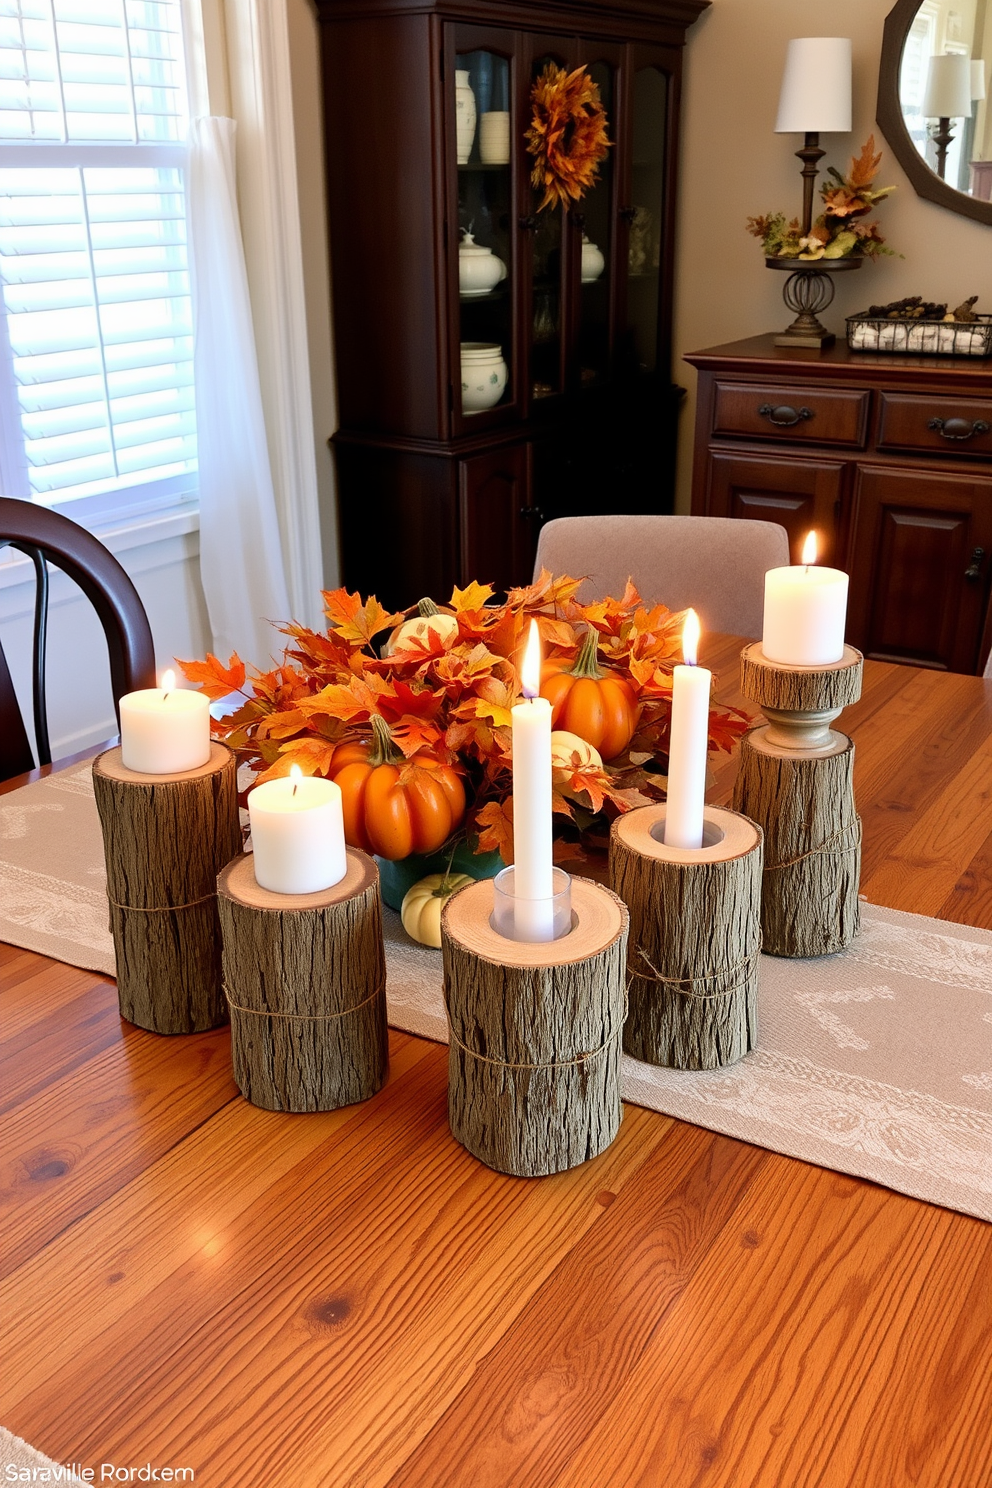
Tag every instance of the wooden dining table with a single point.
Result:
(345, 1299)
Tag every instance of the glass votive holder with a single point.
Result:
(532, 920)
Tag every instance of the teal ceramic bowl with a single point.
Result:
(396, 879)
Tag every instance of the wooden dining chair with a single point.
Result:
(47, 538)
(715, 564)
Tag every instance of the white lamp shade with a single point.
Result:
(977, 79)
(948, 90)
(816, 87)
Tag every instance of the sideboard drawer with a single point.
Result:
(938, 424)
(809, 415)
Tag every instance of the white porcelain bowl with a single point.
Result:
(484, 375)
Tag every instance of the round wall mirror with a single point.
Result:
(935, 100)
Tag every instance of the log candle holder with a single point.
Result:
(305, 976)
(165, 839)
(534, 1061)
(796, 779)
(695, 938)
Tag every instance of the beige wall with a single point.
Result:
(734, 166)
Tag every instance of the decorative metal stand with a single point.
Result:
(695, 938)
(305, 977)
(165, 839)
(796, 780)
(808, 290)
(534, 1063)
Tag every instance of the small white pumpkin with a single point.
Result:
(422, 905)
(416, 628)
(564, 746)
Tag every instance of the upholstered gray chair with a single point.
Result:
(715, 564)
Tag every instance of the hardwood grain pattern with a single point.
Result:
(346, 1299)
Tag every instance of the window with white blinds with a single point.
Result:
(96, 351)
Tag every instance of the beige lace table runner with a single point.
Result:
(877, 1062)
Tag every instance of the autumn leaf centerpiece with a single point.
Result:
(413, 719)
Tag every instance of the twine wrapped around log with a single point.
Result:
(305, 978)
(165, 839)
(809, 898)
(534, 1060)
(695, 938)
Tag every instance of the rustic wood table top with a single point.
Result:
(344, 1299)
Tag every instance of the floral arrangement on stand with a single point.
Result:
(417, 731)
(840, 231)
(567, 134)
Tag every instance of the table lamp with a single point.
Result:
(947, 96)
(815, 100)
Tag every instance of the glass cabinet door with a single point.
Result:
(594, 221)
(482, 104)
(645, 215)
(547, 266)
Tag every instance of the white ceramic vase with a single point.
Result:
(465, 116)
(593, 262)
(484, 375)
(479, 270)
(494, 138)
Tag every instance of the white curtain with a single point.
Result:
(241, 559)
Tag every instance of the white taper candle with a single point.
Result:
(532, 820)
(688, 744)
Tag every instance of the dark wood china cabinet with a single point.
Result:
(888, 457)
(570, 348)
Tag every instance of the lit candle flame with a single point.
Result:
(809, 549)
(295, 775)
(690, 638)
(530, 671)
(168, 683)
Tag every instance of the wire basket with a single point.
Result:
(972, 338)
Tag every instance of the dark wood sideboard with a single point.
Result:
(888, 457)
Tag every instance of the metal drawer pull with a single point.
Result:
(782, 416)
(974, 573)
(958, 428)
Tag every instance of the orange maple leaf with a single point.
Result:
(354, 620)
(214, 678)
(495, 823)
(864, 167)
(312, 755)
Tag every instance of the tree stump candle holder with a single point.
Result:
(534, 1060)
(695, 938)
(796, 780)
(305, 978)
(165, 839)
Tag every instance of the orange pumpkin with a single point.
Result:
(600, 706)
(383, 816)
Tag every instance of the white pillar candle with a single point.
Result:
(297, 834)
(533, 880)
(164, 730)
(805, 612)
(688, 744)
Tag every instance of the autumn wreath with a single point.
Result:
(567, 134)
(430, 709)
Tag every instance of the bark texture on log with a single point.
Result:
(695, 939)
(534, 1061)
(165, 838)
(812, 844)
(306, 978)
(801, 689)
